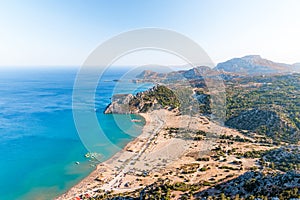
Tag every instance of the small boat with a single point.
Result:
(77, 163)
(136, 120)
(93, 155)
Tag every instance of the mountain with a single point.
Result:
(296, 67)
(197, 72)
(247, 65)
(194, 73)
(148, 74)
(253, 65)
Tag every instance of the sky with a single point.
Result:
(65, 32)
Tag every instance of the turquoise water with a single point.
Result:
(39, 144)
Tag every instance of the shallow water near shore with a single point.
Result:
(39, 144)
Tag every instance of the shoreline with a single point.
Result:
(160, 153)
(74, 190)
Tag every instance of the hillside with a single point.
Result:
(155, 98)
(296, 67)
(257, 185)
(252, 65)
(267, 105)
(254, 156)
(248, 65)
(171, 77)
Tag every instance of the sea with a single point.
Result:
(41, 153)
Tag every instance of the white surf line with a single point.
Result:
(126, 166)
(109, 186)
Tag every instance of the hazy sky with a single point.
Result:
(64, 32)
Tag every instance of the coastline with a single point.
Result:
(81, 187)
(156, 153)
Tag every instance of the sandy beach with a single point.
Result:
(158, 153)
(107, 174)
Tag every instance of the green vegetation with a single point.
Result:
(249, 186)
(256, 185)
(202, 169)
(164, 96)
(236, 138)
(251, 154)
(161, 190)
(283, 159)
(228, 167)
(159, 94)
(188, 104)
(203, 159)
(282, 195)
(203, 101)
(188, 134)
(189, 168)
(267, 105)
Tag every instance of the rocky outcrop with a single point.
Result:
(119, 104)
(155, 98)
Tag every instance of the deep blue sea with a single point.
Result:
(39, 144)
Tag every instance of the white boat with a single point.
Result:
(136, 120)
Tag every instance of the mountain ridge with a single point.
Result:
(249, 65)
(253, 64)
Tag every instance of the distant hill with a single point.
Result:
(253, 64)
(148, 74)
(247, 65)
(194, 73)
(268, 105)
(296, 67)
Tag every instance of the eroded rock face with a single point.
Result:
(119, 104)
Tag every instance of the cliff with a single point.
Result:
(155, 98)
